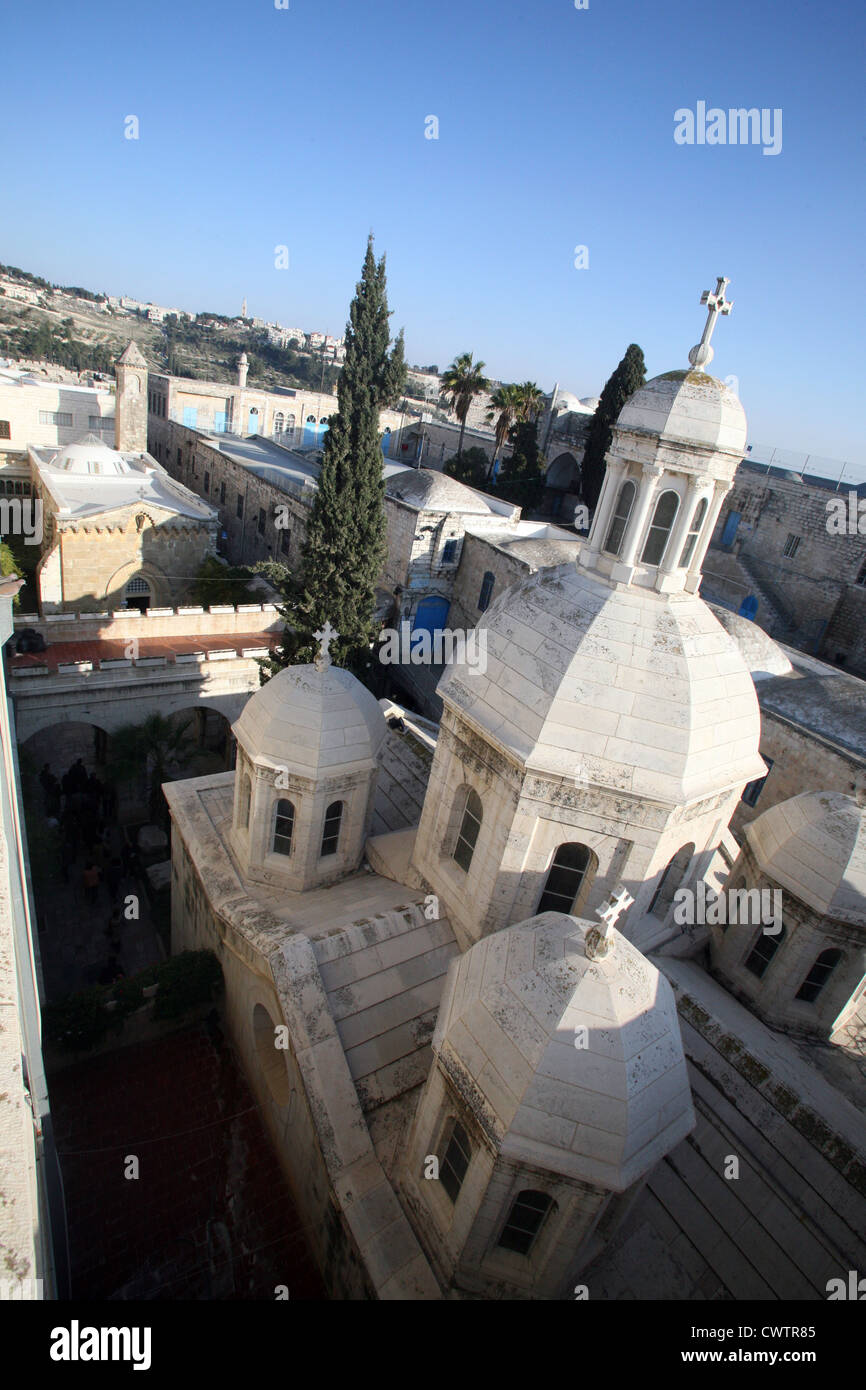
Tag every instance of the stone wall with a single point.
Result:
(86, 565)
(845, 639)
(802, 762)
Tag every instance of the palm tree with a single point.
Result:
(530, 400)
(504, 405)
(461, 382)
(156, 746)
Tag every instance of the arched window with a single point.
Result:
(660, 529)
(455, 1161)
(691, 541)
(672, 878)
(290, 424)
(565, 878)
(470, 825)
(244, 802)
(818, 976)
(763, 951)
(619, 520)
(278, 422)
(525, 1221)
(486, 591)
(331, 829)
(284, 827)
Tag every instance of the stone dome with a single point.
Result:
(312, 721)
(567, 400)
(689, 408)
(814, 846)
(90, 455)
(762, 655)
(591, 403)
(614, 686)
(435, 492)
(506, 1033)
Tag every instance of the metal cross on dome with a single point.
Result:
(702, 354)
(598, 939)
(325, 636)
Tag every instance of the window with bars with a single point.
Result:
(660, 528)
(449, 552)
(486, 591)
(262, 518)
(525, 1220)
(331, 828)
(763, 951)
(206, 481)
(470, 825)
(101, 422)
(694, 531)
(792, 545)
(222, 493)
(284, 827)
(861, 577)
(5, 429)
(285, 540)
(818, 976)
(137, 586)
(619, 520)
(455, 1161)
(240, 505)
(565, 878)
(55, 417)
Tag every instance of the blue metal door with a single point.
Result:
(432, 615)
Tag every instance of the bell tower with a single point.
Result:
(130, 417)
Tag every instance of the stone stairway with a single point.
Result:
(728, 579)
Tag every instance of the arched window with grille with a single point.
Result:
(244, 802)
(455, 1161)
(660, 528)
(284, 827)
(818, 976)
(470, 825)
(278, 422)
(565, 878)
(691, 540)
(525, 1220)
(619, 520)
(331, 828)
(762, 952)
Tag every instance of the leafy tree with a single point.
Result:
(521, 478)
(9, 565)
(216, 583)
(472, 467)
(156, 746)
(345, 544)
(461, 383)
(622, 383)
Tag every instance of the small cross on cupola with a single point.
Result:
(325, 636)
(702, 354)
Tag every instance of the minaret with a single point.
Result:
(243, 368)
(130, 417)
(244, 308)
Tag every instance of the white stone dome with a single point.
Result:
(617, 687)
(312, 722)
(814, 847)
(689, 408)
(90, 455)
(591, 403)
(430, 491)
(762, 655)
(567, 400)
(604, 1113)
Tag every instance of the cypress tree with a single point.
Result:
(623, 382)
(346, 540)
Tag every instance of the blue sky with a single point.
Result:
(305, 127)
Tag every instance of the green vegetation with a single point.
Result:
(216, 583)
(345, 543)
(622, 383)
(153, 747)
(471, 467)
(461, 383)
(54, 343)
(81, 1021)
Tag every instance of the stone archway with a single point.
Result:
(563, 473)
(158, 588)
